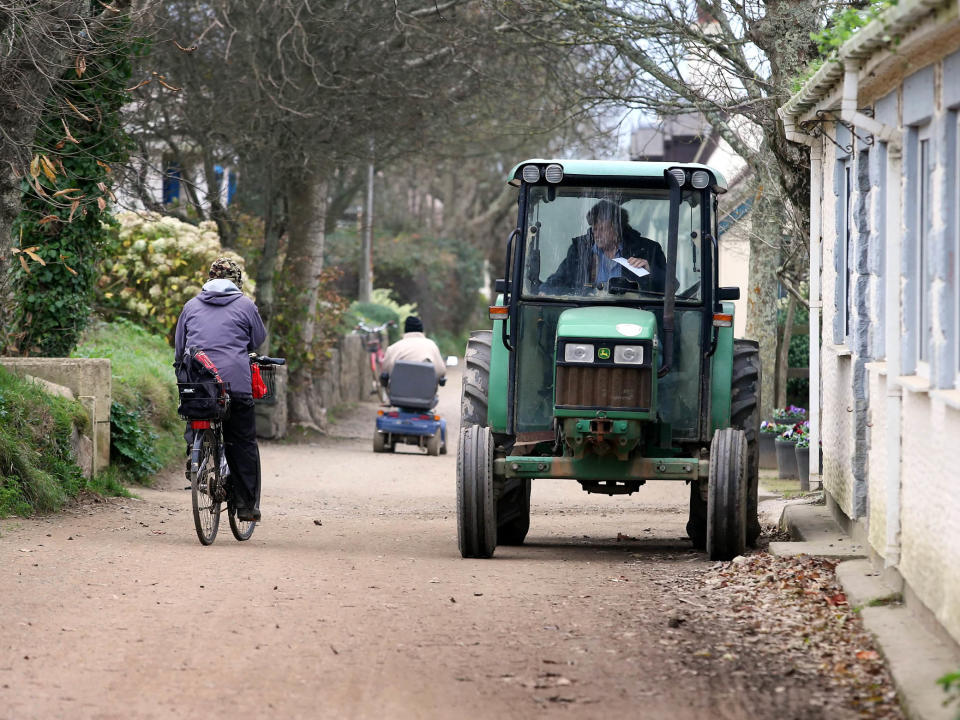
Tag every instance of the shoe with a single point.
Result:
(248, 514)
(186, 472)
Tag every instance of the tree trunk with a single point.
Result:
(9, 207)
(304, 262)
(766, 230)
(273, 229)
(226, 227)
(783, 361)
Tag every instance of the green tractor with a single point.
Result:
(611, 360)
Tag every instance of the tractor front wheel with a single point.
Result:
(727, 495)
(513, 512)
(476, 510)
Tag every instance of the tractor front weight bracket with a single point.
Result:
(591, 467)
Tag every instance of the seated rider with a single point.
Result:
(416, 347)
(226, 324)
(590, 259)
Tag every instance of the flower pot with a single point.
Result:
(786, 459)
(768, 451)
(803, 466)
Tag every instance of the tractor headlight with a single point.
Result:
(628, 355)
(553, 173)
(530, 173)
(679, 175)
(578, 353)
(700, 179)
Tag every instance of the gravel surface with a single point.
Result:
(351, 601)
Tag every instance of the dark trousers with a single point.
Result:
(240, 447)
(243, 455)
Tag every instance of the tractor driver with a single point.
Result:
(590, 261)
(416, 347)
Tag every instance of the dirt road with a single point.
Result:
(351, 601)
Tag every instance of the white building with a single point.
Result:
(882, 125)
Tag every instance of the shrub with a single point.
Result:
(441, 276)
(382, 308)
(132, 442)
(156, 263)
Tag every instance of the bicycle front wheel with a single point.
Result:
(204, 469)
(241, 529)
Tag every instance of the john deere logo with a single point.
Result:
(603, 353)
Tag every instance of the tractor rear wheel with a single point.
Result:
(476, 510)
(433, 444)
(513, 512)
(727, 495)
(476, 378)
(379, 442)
(745, 415)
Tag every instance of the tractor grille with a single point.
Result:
(590, 386)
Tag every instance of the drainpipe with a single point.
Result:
(892, 224)
(815, 304)
(850, 114)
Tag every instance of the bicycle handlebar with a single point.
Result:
(367, 328)
(265, 360)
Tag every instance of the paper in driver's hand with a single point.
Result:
(639, 272)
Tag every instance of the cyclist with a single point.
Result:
(226, 324)
(414, 346)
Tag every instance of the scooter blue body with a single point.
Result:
(411, 419)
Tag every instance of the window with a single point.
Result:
(922, 219)
(847, 247)
(955, 130)
(568, 226)
(171, 183)
(842, 262)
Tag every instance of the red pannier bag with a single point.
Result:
(259, 387)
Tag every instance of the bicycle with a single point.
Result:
(374, 340)
(210, 479)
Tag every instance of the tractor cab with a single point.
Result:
(611, 359)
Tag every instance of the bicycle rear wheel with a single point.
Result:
(241, 529)
(204, 470)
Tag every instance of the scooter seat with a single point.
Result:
(413, 385)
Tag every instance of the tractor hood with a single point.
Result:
(607, 323)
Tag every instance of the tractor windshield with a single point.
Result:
(603, 242)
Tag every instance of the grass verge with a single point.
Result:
(145, 432)
(37, 470)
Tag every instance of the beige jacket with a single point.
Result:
(414, 347)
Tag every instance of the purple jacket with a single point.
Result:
(225, 323)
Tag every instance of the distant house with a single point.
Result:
(165, 181)
(883, 125)
(690, 138)
(682, 138)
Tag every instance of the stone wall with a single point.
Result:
(346, 378)
(88, 379)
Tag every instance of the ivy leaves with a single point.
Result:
(63, 224)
